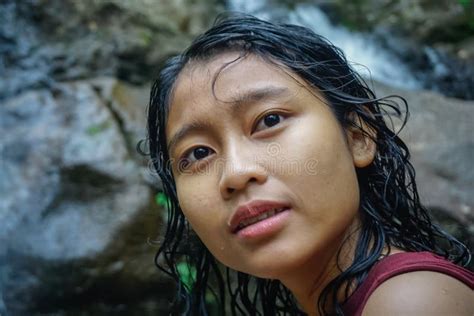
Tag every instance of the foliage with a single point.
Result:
(187, 275)
(162, 200)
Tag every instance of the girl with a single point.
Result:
(276, 154)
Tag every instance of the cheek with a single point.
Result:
(201, 208)
(193, 202)
(325, 175)
(318, 157)
(206, 216)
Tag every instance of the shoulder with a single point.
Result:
(421, 293)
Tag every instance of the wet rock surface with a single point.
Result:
(79, 221)
(435, 65)
(439, 136)
(70, 189)
(427, 21)
(434, 38)
(47, 41)
(70, 161)
(121, 280)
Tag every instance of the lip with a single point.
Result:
(253, 209)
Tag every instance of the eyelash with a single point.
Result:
(185, 163)
(261, 119)
(184, 160)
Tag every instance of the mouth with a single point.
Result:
(252, 220)
(255, 212)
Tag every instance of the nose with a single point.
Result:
(241, 167)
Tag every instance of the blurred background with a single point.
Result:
(80, 214)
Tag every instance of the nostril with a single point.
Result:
(234, 181)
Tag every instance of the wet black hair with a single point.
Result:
(390, 210)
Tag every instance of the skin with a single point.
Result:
(242, 167)
(307, 160)
(421, 293)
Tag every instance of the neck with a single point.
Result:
(316, 273)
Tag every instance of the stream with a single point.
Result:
(394, 61)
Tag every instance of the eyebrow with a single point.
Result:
(242, 101)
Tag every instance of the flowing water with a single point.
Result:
(394, 61)
(366, 56)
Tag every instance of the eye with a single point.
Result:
(269, 120)
(193, 155)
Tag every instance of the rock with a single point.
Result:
(129, 104)
(439, 68)
(428, 22)
(435, 40)
(439, 135)
(126, 39)
(76, 197)
(121, 279)
(71, 163)
(386, 36)
(75, 204)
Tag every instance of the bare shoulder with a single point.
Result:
(421, 293)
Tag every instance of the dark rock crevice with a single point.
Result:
(81, 184)
(125, 134)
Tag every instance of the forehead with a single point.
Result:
(208, 87)
(225, 76)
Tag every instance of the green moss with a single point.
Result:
(145, 37)
(93, 130)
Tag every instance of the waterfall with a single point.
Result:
(362, 51)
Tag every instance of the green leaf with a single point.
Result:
(465, 3)
(162, 200)
(187, 275)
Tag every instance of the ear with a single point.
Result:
(360, 140)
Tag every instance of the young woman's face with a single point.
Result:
(264, 172)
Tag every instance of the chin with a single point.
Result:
(273, 268)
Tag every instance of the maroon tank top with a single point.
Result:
(400, 263)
